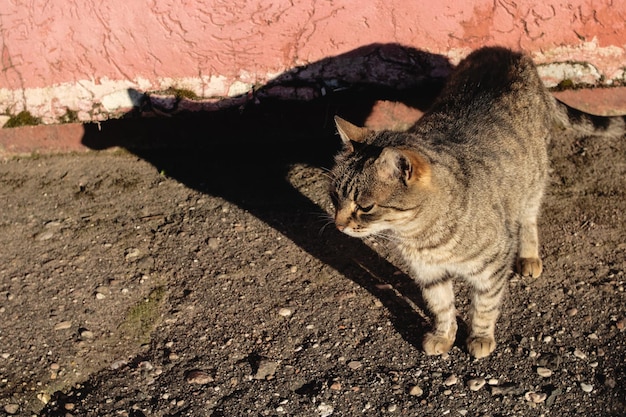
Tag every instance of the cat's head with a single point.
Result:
(376, 186)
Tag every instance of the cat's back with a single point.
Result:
(493, 97)
(492, 77)
(492, 120)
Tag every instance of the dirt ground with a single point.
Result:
(191, 270)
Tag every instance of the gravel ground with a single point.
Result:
(199, 276)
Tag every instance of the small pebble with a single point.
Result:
(86, 334)
(621, 324)
(506, 389)
(64, 325)
(572, 312)
(493, 381)
(354, 365)
(100, 296)
(285, 312)
(610, 382)
(118, 364)
(392, 408)
(544, 372)
(145, 366)
(325, 410)
(535, 397)
(267, 369)
(586, 387)
(335, 386)
(476, 384)
(547, 339)
(416, 391)
(12, 408)
(44, 397)
(549, 360)
(103, 289)
(199, 377)
(580, 354)
(553, 396)
(69, 406)
(45, 235)
(132, 254)
(593, 336)
(293, 269)
(451, 380)
(213, 243)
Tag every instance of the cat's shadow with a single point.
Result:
(243, 154)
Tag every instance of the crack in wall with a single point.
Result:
(8, 67)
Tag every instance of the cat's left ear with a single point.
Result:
(350, 134)
(404, 165)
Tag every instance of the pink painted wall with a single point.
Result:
(83, 56)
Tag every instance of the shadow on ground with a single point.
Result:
(243, 154)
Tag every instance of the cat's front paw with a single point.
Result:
(481, 346)
(529, 267)
(436, 345)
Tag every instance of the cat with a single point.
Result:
(460, 191)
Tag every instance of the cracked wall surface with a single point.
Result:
(94, 60)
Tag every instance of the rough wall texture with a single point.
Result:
(90, 60)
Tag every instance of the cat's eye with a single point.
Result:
(366, 209)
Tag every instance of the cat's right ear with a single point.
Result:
(405, 165)
(350, 134)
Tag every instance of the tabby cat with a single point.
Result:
(460, 191)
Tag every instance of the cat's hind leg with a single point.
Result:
(439, 296)
(528, 261)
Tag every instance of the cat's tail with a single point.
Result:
(585, 124)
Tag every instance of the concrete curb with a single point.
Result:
(67, 138)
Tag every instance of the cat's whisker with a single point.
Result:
(323, 217)
(393, 239)
(388, 236)
(328, 173)
(328, 223)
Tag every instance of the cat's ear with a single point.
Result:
(350, 134)
(404, 165)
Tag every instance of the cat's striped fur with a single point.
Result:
(460, 191)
